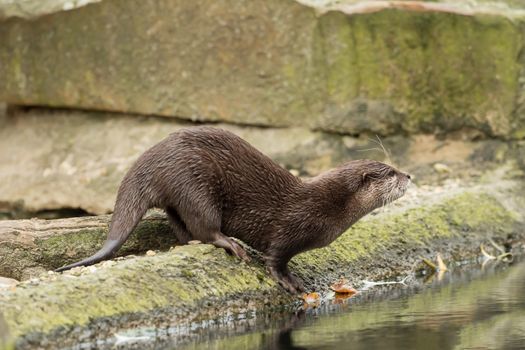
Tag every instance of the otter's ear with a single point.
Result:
(364, 176)
(356, 181)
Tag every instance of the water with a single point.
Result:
(473, 309)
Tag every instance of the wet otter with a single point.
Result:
(213, 185)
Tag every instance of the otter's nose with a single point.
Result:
(408, 176)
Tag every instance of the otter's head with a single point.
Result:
(376, 184)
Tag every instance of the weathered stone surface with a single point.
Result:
(35, 8)
(72, 159)
(191, 283)
(275, 63)
(5, 338)
(6, 282)
(199, 60)
(60, 159)
(29, 248)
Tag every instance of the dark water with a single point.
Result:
(473, 309)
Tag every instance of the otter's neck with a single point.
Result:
(332, 200)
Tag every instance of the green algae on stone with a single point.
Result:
(153, 233)
(467, 213)
(483, 211)
(433, 78)
(140, 285)
(200, 280)
(44, 245)
(381, 72)
(6, 342)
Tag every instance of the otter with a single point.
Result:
(213, 185)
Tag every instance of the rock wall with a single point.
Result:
(58, 159)
(72, 159)
(386, 70)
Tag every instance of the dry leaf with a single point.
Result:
(311, 298)
(343, 287)
(441, 264)
(342, 298)
(430, 264)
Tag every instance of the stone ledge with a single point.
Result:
(29, 248)
(191, 283)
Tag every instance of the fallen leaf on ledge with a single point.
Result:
(311, 299)
(343, 287)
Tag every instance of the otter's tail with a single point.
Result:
(106, 252)
(129, 209)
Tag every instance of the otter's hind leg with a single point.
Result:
(205, 226)
(178, 227)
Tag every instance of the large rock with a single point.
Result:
(344, 68)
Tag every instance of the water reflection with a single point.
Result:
(467, 310)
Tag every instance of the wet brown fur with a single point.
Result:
(214, 185)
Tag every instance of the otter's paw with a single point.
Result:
(291, 288)
(239, 252)
(295, 282)
(231, 247)
(289, 282)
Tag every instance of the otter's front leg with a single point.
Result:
(278, 268)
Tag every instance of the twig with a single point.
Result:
(485, 254)
(497, 246)
(503, 256)
(429, 264)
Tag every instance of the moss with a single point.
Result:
(153, 233)
(81, 241)
(19, 262)
(140, 285)
(486, 213)
(430, 75)
(189, 278)
(464, 214)
(57, 246)
(6, 343)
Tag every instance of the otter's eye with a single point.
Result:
(391, 173)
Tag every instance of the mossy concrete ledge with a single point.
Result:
(197, 282)
(29, 248)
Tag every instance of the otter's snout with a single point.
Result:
(405, 178)
(404, 181)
